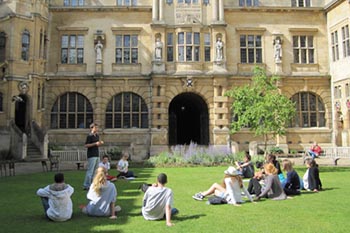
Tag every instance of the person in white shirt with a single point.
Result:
(56, 199)
(158, 201)
(123, 167)
(230, 189)
(106, 164)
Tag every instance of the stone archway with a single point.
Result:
(188, 120)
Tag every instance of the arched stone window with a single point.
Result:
(71, 110)
(25, 45)
(310, 110)
(127, 110)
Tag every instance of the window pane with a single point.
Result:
(196, 38)
(119, 41)
(72, 56)
(134, 41)
(126, 102)
(181, 38)
(72, 41)
(126, 55)
(242, 41)
(188, 53)
(64, 42)
(170, 52)
(71, 104)
(126, 41)
(126, 120)
(181, 53)
(118, 55)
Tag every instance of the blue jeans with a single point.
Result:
(92, 166)
(312, 154)
(45, 202)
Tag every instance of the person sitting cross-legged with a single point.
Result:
(56, 199)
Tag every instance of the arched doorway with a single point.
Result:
(21, 114)
(188, 120)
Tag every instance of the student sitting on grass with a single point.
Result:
(291, 186)
(246, 167)
(273, 188)
(230, 189)
(158, 201)
(311, 178)
(56, 199)
(123, 166)
(105, 163)
(102, 195)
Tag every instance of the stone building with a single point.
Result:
(153, 73)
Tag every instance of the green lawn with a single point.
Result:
(327, 211)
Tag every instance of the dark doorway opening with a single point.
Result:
(21, 112)
(188, 120)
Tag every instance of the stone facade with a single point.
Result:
(193, 80)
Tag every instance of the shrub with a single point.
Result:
(114, 153)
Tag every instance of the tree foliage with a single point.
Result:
(261, 107)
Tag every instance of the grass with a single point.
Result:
(327, 211)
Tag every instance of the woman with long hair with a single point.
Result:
(273, 188)
(102, 195)
(230, 189)
(291, 186)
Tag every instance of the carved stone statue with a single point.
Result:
(278, 50)
(158, 49)
(98, 49)
(219, 49)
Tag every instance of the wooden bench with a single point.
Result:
(79, 157)
(333, 152)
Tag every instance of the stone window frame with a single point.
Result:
(335, 45)
(25, 45)
(74, 3)
(126, 2)
(3, 40)
(126, 110)
(310, 110)
(191, 46)
(301, 3)
(207, 45)
(345, 40)
(248, 3)
(71, 110)
(71, 47)
(170, 46)
(251, 58)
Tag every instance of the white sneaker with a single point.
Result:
(198, 196)
(117, 208)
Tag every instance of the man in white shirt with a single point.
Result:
(158, 200)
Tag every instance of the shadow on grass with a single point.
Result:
(188, 217)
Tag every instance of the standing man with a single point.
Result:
(92, 144)
(158, 201)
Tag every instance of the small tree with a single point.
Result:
(261, 107)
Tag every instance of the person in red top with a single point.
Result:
(315, 150)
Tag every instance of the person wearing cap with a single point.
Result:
(158, 201)
(92, 144)
(230, 189)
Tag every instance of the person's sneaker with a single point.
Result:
(198, 196)
(117, 208)
(174, 211)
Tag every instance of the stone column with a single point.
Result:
(155, 10)
(215, 11)
(161, 10)
(221, 10)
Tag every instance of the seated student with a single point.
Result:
(272, 159)
(102, 195)
(246, 168)
(291, 186)
(123, 166)
(56, 199)
(273, 188)
(230, 189)
(315, 150)
(105, 163)
(158, 201)
(311, 178)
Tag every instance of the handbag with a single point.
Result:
(215, 200)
